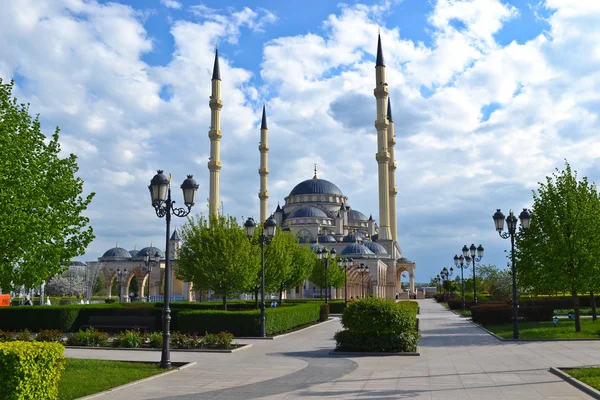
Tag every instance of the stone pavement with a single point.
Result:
(458, 361)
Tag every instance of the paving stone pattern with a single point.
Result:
(458, 361)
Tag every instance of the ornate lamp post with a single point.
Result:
(475, 257)
(511, 222)
(120, 274)
(438, 278)
(267, 234)
(327, 255)
(149, 263)
(347, 263)
(459, 262)
(160, 194)
(445, 275)
(362, 270)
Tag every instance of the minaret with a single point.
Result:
(214, 163)
(392, 173)
(382, 156)
(263, 171)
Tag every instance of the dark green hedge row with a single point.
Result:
(498, 314)
(456, 304)
(247, 323)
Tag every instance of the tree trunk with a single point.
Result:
(280, 294)
(256, 297)
(576, 308)
(225, 303)
(593, 300)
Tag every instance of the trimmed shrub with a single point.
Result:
(336, 307)
(180, 341)
(155, 339)
(109, 301)
(90, 338)
(498, 314)
(379, 325)
(49, 335)
(456, 304)
(240, 323)
(23, 336)
(128, 339)
(7, 336)
(30, 370)
(285, 319)
(324, 312)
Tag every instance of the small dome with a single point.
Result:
(404, 260)
(78, 264)
(315, 246)
(150, 251)
(116, 252)
(354, 215)
(352, 238)
(375, 248)
(327, 239)
(316, 186)
(133, 252)
(356, 249)
(310, 212)
(375, 237)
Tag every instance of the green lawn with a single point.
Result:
(546, 330)
(84, 377)
(590, 376)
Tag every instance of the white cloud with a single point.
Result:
(171, 4)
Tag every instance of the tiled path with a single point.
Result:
(458, 361)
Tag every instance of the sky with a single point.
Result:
(488, 97)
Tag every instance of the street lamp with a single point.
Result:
(346, 263)
(160, 194)
(267, 234)
(459, 262)
(445, 275)
(476, 255)
(121, 274)
(438, 278)
(149, 263)
(511, 222)
(363, 270)
(326, 254)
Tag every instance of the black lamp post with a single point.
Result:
(120, 274)
(362, 270)
(327, 255)
(476, 255)
(267, 234)
(160, 194)
(459, 262)
(149, 263)
(438, 278)
(511, 222)
(445, 274)
(347, 263)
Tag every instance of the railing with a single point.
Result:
(175, 297)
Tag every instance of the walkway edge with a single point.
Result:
(92, 396)
(225, 351)
(532, 340)
(576, 382)
(287, 334)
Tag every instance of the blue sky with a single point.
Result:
(489, 97)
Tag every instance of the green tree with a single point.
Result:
(217, 255)
(293, 262)
(560, 250)
(41, 221)
(335, 274)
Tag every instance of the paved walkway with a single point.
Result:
(458, 361)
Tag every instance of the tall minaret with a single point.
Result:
(263, 171)
(214, 163)
(392, 173)
(382, 156)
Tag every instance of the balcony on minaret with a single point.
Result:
(215, 103)
(263, 171)
(263, 196)
(214, 165)
(263, 147)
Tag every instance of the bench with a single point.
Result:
(119, 322)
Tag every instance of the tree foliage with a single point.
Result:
(335, 273)
(216, 255)
(560, 250)
(41, 207)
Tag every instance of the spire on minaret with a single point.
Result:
(264, 118)
(216, 71)
(315, 176)
(379, 62)
(389, 110)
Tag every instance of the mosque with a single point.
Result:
(316, 211)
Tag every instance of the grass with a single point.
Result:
(589, 375)
(84, 377)
(545, 330)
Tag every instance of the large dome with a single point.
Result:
(375, 248)
(352, 238)
(356, 216)
(356, 249)
(306, 212)
(316, 186)
(116, 252)
(150, 251)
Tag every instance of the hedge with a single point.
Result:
(498, 314)
(456, 304)
(30, 370)
(247, 323)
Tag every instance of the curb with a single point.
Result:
(243, 347)
(533, 340)
(286, 334)
(183, 366)
(373, 354)
(575, 382)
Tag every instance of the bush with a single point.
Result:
(179, 341)
(109, 301)
(49, 335)
(379, 325)
(324, 312)
(456, 304)
(285, 319)
(336, 307)
(90, 338)
(128, 339)
(155, 339)
(30, 370)
(65, 302)
(498, 314)
(23, 336)
(7, 336)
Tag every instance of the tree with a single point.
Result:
(335, 274)
(71, 283)
(560, 250)
(216, 255)
(41, 221)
